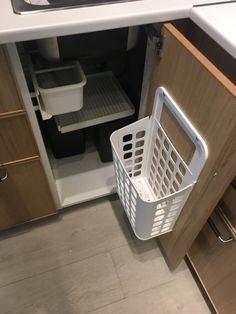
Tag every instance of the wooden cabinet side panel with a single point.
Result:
(25, 195)
(10, 100)
(207, 98)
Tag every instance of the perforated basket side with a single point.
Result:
(126, 191)
(153, 217)
(130, 144)
(153, 180)
(166, 171)
(148, 219)
(159, 217)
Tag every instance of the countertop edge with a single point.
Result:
(213, 32)
(18, 34)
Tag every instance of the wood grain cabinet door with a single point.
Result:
(208, 99)
(10, 100)
(24, 194)
(16, 139)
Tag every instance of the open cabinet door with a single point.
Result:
(208, 99)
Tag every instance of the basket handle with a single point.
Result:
(201, 152)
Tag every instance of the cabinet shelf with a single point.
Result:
(82, 177)
(104, 101)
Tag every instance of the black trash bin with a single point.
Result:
(65, 144)
(102, 133)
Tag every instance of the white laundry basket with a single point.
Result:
(153, 181)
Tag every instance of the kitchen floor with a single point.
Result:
(88, 261)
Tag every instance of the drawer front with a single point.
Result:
(16, 139)
(10, 100)
(215, 265)
(25, 194)
(228, 208)
(229, 200)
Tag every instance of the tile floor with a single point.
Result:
(89, 261)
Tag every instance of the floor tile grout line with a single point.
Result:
(130, 296)
(36, 225)
(117, 274)
(139, 291)
(109, 252)
(65, 265)
(52, 269)
(103, 306)
(153, 287)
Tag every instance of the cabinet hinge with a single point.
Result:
(160, 41)
(155, 37)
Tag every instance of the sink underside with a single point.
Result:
(35, 6)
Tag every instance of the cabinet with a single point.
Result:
(24, 194)
(206, 96)
(10, 99)
(16, 139)
(24, 190)
(213, 261)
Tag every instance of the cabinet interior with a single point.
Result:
(126, 54)
(121, 53)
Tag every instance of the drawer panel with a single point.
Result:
(228, 208)
(10, 100)
(16, 139)
(23, 197)
(215, 264)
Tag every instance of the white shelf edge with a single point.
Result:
(96, 121)
(94, 194)
(82, 177)
(104, 101)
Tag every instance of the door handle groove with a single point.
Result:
(217, 232)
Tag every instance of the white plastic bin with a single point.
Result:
(153, 181)
(61, 88)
